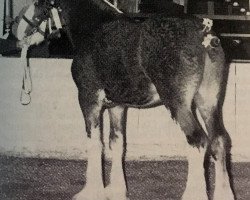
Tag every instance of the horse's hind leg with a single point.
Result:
(117, 188)
(178, 95)
(197, 140)
(209, 101)
(182, 111)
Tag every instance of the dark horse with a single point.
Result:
(172, 61)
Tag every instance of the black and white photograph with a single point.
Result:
(124, 100)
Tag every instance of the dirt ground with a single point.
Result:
(50, 179)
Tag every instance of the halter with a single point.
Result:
(48, 13)
(35, 28)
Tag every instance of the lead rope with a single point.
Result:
(27, 83)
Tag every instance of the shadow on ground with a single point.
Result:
(50, 179)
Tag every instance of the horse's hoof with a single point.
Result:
(115, 193)
(194, 195)
(223, 194)
(90, 194)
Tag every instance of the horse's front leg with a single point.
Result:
(92, 111)
(117, 188)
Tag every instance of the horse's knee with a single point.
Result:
(92, 106)
(117, 138)
(117, 146)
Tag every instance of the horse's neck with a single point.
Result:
(83, 17)
(87, 12)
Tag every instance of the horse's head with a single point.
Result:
(34, 21)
